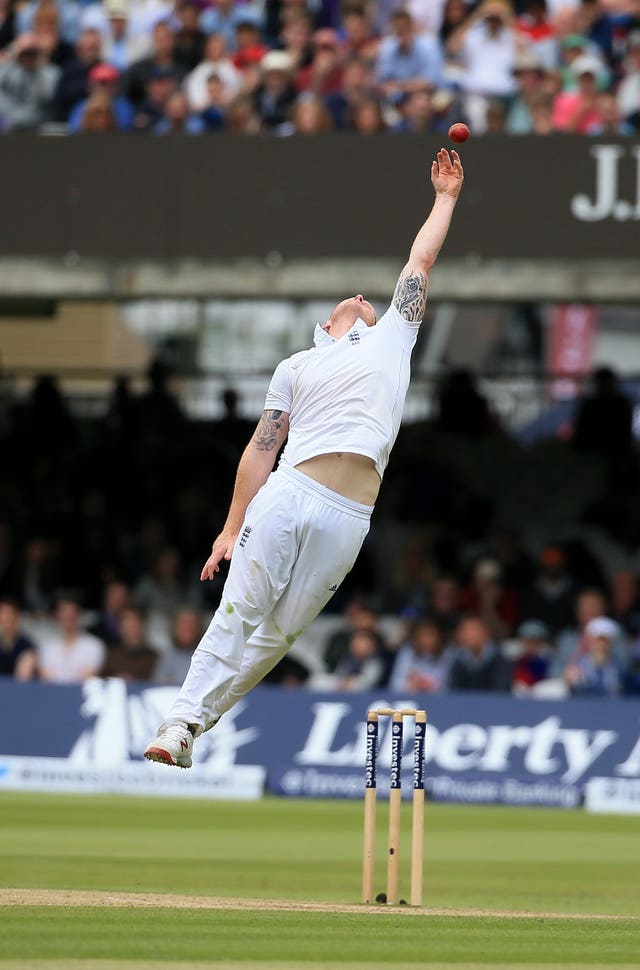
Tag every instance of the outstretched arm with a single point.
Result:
(255, 466)
(410, 297)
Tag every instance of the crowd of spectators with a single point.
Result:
(106, 523)
(290, 66)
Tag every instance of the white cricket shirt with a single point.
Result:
(346, 394)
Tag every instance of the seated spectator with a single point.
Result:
(189, 38)
(27, 86)
(161, 62)
(454, 14)
(532, 664)
(552, 595)
(363, 666)
(625, 601)
(357, 87)
(629, 90)
(310, 116)
(186, 633)
(177, 120)
(366, 118)
(495, 117)
(215, 62)
(98, 116)
(323, 76)
(145, 15)
(536, 29)
(445, 604)
(161, 84)
(596, 672)
(223, 16)
(417, 113)
(68, 13)
(73, 84)
(573, 643)
(422, 663)
(529, 75)
(405, 61)
(487, 596)
(611, 122)
(577, 111)
(131, 658)
(7, 24)
(116, 598)
(296, 38)
(356, 35)
(217, 101)
(242, 118)
(249, 52)
(104, 78)
(275, 95)
(605, 417)
(121, 46)
(18, 658)
(73, 655)
(46, 30)
(542, 114)
(357, 616)
(160, 590)
(476, 662)
(486, 44)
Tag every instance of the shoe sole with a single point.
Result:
(163, 757)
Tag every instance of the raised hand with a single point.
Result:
(447, 175)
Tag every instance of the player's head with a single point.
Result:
(346, 313)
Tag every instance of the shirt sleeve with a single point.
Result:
(280, 394)
(393, 321)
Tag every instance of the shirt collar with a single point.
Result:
(322, 339)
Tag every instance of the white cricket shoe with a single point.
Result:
(173, 746)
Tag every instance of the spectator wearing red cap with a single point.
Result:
(104, 77)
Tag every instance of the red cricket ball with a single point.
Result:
(459, 132)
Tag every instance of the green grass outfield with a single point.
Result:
(500, 861)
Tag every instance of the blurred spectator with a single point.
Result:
(356, 34)
(161, 84)
(249, 50)
(363, 666)
(454, 14)
(186, 633)
(121, 46)
(275, 95)
(535, 28)
(416, 113)
(542, 114)
(357, 616)
(68, 13)
(462, 409)
(421, 664)
(131, 658)
(115, 599)
(551, 597)
(366, 118)
(625, 601)
(27, 85)
(477, 663)
(72, 655)
(532, 664)
(103, 78)
(577, 111)
(323, 76)
(595, 671)
(223, 16)
(611, 122)
(7, 24)
(604, 418)
(177, 120)
(214, 113)
(406, 61)
(310, 116)
(487, 597)
(495, 117)
(296, 38)
(36, 575)
(573, 643)
(629, 89)
(232, 432)
(357, 87)
(161, 62)
(17, 652)
(161, 589)
(98, 116)
(216, 62)
(529, 75)
(486, 43)
(46, 30)
(190, 39)
(445, 604)
(73, 85)
(242, 118)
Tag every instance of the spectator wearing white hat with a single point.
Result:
(121, 44)
(275, 95)
(596, 672)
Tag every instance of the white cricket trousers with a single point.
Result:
(298, 542)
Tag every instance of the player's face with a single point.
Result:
(346, 313)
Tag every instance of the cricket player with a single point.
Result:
(295, 533)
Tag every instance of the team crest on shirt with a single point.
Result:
(354, 337)
(246, 532)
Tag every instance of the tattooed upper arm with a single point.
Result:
(410, 297)
(272, 429)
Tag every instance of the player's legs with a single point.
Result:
(330, 541)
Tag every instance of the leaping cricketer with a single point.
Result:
(295, 533)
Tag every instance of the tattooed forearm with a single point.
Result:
(410, 297)
(266, 436)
